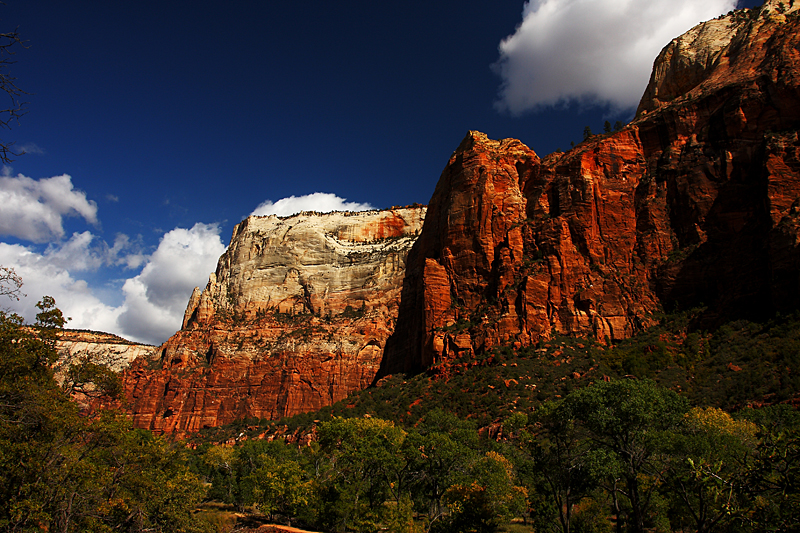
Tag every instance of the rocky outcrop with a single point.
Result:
(744, 51)
(78, 347)
(101, 348)
(295, 318)
(694, 203)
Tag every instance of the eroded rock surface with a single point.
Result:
(102, 348)
(295, 317)
(694, 203)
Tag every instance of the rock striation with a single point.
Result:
(102, 348)
(295, 318)
(694, 203)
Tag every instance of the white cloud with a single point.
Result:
(31, 148)
(77, 254)
(319, 201)
(156, 299)
(84, 252)
(33, 209)
(45, 274)
(153, 301)
(125, 252)
(591, 51)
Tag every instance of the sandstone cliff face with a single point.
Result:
(79, 346)
(695, 202)
(295, 317)
(110, 350)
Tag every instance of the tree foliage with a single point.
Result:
(628, 454)
(490, 498)
(362, 470)
(560, 452)
(280, 486)
(63, 471)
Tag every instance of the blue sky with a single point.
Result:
(154, 127)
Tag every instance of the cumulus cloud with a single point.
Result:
(77, 253)
(85, 252)
(319, 201)
(591, 51)
(46, 274)
(34, 209)
(126, 252)
(156, 299)
(152, 301)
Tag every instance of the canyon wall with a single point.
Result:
(295, 318)
(695, 203)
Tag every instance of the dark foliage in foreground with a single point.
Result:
(666, 431)
(626, 454)
(63, 471)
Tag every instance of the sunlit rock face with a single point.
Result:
(316, 264)
(693, 203)
(295, 317)
(75, 347)
(101, 348)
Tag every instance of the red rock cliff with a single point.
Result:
(295, 318)
(695, 202)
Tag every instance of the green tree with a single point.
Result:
(279, 487)
(559, 449)
(607, 127)
(150, 487)
(489, 499)
(86, 377)
(710, 457)
(362, 465)
(220, 461)
(234, 472)
(587, 133)
(773, 480)
(49, 316)
(60, 471)
(628, 421)
(436, 462)
(49, 320)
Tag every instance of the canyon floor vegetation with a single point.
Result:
(63, 470)
(672, 430)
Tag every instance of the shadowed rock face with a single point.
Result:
(295, 318)
(694, 203)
